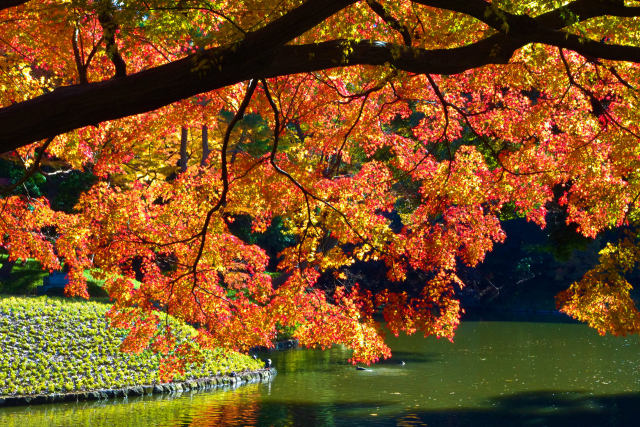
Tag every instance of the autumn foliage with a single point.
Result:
(329, 115)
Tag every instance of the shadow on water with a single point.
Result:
(538, 408)
(549, 408)
(411, 357)
(316, 361)
(514, 315)
(309, 414)
(541, 408)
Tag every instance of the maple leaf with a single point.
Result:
(395, 131)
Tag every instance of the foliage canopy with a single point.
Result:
(445, 113)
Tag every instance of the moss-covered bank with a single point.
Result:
(56, 349)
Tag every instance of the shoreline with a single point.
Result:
(201, 384)
(57, 350)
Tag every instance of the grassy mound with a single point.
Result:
(54, 345)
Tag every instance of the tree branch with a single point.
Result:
(29, 172)
(109, 30)
(391, 20)
(306, 193)
(176, 80)
(501, 20)
(224, 173)
(73, 107)
(263, 54)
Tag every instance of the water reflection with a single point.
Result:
(496, 373)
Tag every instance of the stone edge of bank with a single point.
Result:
(208, 383)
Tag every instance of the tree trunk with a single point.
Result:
(182, 163)
(205, 145)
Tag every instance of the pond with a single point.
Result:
(496, 373)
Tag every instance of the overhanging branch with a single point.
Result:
(576, 11)
(264, 54)
(77, 106)
(73, 107)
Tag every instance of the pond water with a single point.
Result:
(496, 373)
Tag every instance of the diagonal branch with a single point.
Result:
(78, 55)
(391, 20)
(28, 173)
(561, 17)
(307, 194)
(163, 84)
(109, 29)
(597, 107)
(224, 172)
(73, 107)
(264, 54)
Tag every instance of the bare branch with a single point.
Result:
(224, 172)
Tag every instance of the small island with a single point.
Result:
(56, 349)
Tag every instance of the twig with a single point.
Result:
(224, 172)
(32, 169)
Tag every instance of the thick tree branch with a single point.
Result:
(391, 20)
(109, 30)
(77, 106)
(69, 108)
(577, 11)
(263, 54)
(479, 9)
(581, 10)
(587, 47)
(291, 25)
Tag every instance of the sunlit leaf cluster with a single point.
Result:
(333, 116)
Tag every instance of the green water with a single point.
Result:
(496, 373)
